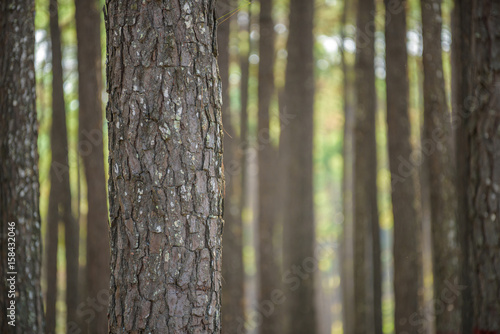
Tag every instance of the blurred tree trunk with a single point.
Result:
(232, 263)
(88, 34)
(60, 172)
(407, 262)
(300, 263)
(19, 187)
(484, 179)
(438, 146)
(269, 272)
(347, 184)
(461, 92)
(166, 172)
(367, 266)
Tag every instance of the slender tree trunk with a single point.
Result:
(166, 175)
(91, 150)
(300, 263)
(20, 245)
(367, 267)
(484, 179)
(232, 264)
(438, 146)
(60, 169)
(267, 158)
(407, 265)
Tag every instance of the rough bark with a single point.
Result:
(438, 146)
(484, 144)
(299, 229)
(461, 93)
(232, 263)
(367, 266)
(166, 174)
(59, 174)
(267, 178)
(407, 265)
(19, 187)
(88, 33)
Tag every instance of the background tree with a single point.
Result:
(407, 263)
(438, 139)
(88, 34)
(484, 177)
(367, 266)
(298, 229)
(19, 187)
(166, 174)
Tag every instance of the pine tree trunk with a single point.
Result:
(232, 263)
(367, 266)
(267, 160)
(166, 174)
(60, 170)
(91, 150)
(484, 181)
(19, 187)
(300, 263)
(438, 147)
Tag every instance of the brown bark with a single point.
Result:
(59, 173)
(367, 266)
(300, 263)
(232, 263)
(91, 150)
(166, 175)
(19, 187)
(438, 146)
(267, 178)
(407, 263)
(484, 180)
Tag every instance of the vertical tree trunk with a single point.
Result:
(367, 267)
(438, 145)
(60, 169)
(232, 263)
(267, 177)
(298, 230)
(461, 93)
(407, 264)
(19, 187)
(91, 150)
(166, 174)
(484, 181)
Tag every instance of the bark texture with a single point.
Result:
(19, 187)
(299, 228)
(407, 263)
(232, 263)
(60, 209)
(438, 147)
(88, 34)
(484, 183)
(267, 177)
(166, 175)
(367, 266)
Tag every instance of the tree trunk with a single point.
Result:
(438, 146)
(19, 187)
(91, 150)
(484, 180)
(60, 170)
(232, 263)
(166, 175)
(461, 92)
(407, 264)
(267, 158)
(367, 266)
(300, 263)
